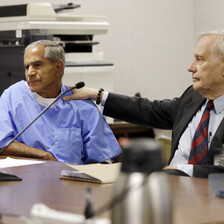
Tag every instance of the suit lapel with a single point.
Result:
(187, 110)
(217, 142)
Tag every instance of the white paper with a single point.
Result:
(45, 215)
(10, 162)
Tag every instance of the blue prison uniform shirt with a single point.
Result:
(74, 131)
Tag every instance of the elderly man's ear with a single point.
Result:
(60, 68)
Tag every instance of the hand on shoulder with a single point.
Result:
(82, 94)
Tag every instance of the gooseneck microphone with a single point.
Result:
(77, 86)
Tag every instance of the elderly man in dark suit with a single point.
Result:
(195, 118)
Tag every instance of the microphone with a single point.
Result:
(77, 86)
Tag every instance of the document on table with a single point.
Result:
(10, 162)
(97, 173)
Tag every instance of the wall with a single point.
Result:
(209, 15)
(149, 41)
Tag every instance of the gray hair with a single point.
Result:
(53, 51)
(218, 47)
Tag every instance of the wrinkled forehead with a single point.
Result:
(36, 49)
(205, 44)
(35, 53)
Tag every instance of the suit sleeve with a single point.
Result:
(141, 111)
(204, 170)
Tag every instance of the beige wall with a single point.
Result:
(209, 15)
(151, 41)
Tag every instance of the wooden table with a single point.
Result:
(193, 199)
(195, 202)
(42, 183)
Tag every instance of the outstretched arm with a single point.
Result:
(83, 94)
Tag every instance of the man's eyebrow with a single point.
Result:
(198, 54)
(34, 62)
(37, 62)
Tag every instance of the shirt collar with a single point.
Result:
(46, 101)
(219, 104)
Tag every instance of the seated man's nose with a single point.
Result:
(31, 71)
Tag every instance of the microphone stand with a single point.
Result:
(77, 86)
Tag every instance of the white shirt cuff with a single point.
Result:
(103, 101)
(104, 98)
(187, 168)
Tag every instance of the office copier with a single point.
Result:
(23, 24)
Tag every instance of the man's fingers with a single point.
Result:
(67, 98)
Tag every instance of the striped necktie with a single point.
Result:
(199, 146)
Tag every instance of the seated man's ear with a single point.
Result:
(60, 67)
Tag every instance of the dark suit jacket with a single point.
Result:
(166, 114)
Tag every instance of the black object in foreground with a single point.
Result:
(8, 177)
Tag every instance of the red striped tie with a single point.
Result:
(199, 146)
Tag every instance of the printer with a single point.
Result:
(22, 24)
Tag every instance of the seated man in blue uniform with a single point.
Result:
(72, 132)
